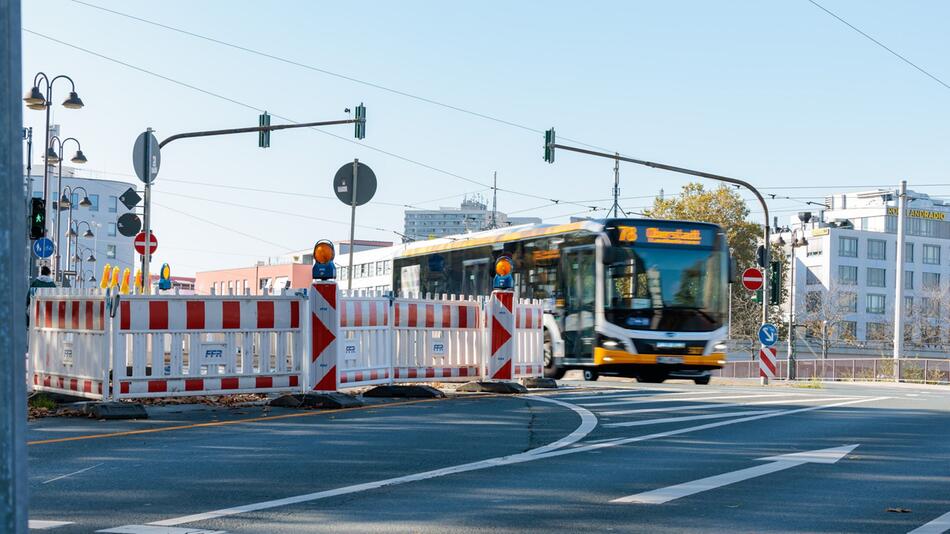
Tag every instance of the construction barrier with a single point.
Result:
(102, 345)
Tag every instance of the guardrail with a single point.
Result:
(913, 370)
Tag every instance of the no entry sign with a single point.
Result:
(751, 279)
(140, 243)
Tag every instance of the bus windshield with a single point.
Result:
(666, 288)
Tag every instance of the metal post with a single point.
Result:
(616, 205)
(494, 202)
(59, 212)
(49, 104)
(791, 309)
(147, 222)
(69, 238)
(899, 280)
(349, 278)
(13, 278)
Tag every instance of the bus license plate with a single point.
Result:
(669, 359)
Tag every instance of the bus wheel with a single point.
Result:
(551, 369)
(590, 375)
(702, 381)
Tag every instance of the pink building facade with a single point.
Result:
(254, 279)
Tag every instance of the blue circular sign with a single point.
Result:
(768, 335)
(43, 247)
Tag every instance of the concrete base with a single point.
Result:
(326, 401)
(111, 410)
(405, 392)
(539, 382)
(492, 387)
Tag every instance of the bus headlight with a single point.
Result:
(721, 347)
(610, 343)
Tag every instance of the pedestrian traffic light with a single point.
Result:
(263, 136)
(775, 284)
(360, 125)
(37, 218)
(549, 145)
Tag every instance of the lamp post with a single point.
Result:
(796, 242)
(73, 232)
(91, 258)
(38, 100)
(65, 202)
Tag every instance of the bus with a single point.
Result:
(637, 298)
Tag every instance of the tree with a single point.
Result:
(827, 316)
(725, 207)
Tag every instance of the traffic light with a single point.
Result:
(360, 129)
(775, 284)
(760, 256)
(549, 145)
(263, 137)
(37, 218)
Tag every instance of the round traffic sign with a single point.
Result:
(43, 247)
(768, 335)
(146, 171)
(129, 224)
(365, 184)
(752, 279)
(140, 243)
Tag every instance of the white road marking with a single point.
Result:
(40, 524)
(716, 405)
(937, 526)
(60, 477)
(776, 463)
(485, 464)
(626, 400)
(151, 529)
(626, 393)
(687, 418)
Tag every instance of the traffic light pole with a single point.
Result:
(549, 152)
(251, 129)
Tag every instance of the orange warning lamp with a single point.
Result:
(323, 254)
(503, 268)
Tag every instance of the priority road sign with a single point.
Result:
(43, 247)
(130, 198)
(752, 279)
(768, 335)
(140, 243)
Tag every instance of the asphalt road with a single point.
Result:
(616, 456)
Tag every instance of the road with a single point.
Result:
(603, 456)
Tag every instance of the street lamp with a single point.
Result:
(73, 232)
(65, 202)
(36, 99)
(79, 261)
(797, 238)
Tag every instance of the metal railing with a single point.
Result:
(913, 370)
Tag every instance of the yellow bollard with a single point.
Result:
(138, 281)
(126, 278)
(106, 275)
(115, 277)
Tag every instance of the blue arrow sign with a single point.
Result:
(768, 335)
(43, 247)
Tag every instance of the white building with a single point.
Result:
(372, 263)
(472, 216)
(107, 245)
(846, 273)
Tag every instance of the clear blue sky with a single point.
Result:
(778, 93)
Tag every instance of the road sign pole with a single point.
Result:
(147, 222)
(349, 270)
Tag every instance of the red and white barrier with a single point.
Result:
(168, 345)
(501, 331)
(437, 339)
(69, 340)
(529, 339)
(767, 366)
(365, 342)
(324, 329)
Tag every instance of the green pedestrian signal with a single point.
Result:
(360, 125)
(775, 284)
(263, 137)
(549, 145)
(37, 218)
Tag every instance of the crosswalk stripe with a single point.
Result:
(625, 400)
(716, 405)
(688, 418)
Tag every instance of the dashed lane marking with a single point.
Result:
(688, 418)
(716, 405)
(60, 477)
(151, 529)
(42, 524)
(624, 400)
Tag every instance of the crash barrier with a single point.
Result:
(98, 344)
(915, 370)
(69, 334)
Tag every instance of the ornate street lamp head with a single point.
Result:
(73, 102)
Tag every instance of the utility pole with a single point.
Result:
(13, 278)
(899, 281)
(494, 202)
(616, 206)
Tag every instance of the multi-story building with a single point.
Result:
(107, 245)
(844, 277)
(472, 216)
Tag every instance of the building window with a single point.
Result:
(932, 254)
(847, 275)
(875, 303)
(263, 283)
(929, 307)
(931, 280)
(389, 266)
(371, 269)
(113, 204)
(848, 302)
(111, 229)
(379, 268)
(342, 273)
(908, 279)
(879, 332)
(876, 277)
(877, 249)
(95, 202)
(812, 302)
(811, 278)
(848, 247)
(908, 306)
(909, 252)
(847, 330)
(110, 251)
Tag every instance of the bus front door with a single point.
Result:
(577, 286)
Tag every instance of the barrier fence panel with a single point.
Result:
(365, 341)
(69, 342)
(529, 338)
(168, 345)
(437, 339)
